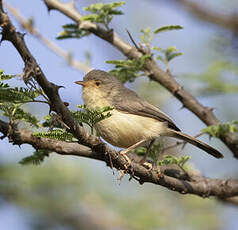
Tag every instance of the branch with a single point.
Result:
(48, 43)
(173, 178)
(154, 72)
(231, 200)
(205, 14)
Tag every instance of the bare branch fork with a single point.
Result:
(90, 146)
(154, 71)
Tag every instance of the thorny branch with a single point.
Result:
(172, 177)
(92, 147)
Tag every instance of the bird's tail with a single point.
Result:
(207, 148)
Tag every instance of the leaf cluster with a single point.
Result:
(102, 13)
(15, 113)
(168, 159)
(35, 159)
(221, 129)
(72, 31)
(91, 116)
(154, 152)
(165, 55)
(17, 94)
(13, 98)
(58, 134)
(5, 76)
(128, 70)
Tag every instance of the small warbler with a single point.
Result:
(133, 120)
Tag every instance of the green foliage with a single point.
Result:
(58, 128)
(140, 151)
(146, 36)
(215, 78)
(221, 129)
(53, 121)
(167, 54)
(154, 153)
(164, 55)
(91, 116)
(102, 13)
(37, 157)
(17, 94)
(22, 115)
(168, 28)
(58, 134)
(180, 161)
(171, 53)
(15, 113)
(5, 76)
(72, 31)
(128, 70)
(11, 100)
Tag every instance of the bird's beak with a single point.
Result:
(83, 83)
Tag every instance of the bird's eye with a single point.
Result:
(98, 83)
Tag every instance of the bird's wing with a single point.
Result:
(132, 103)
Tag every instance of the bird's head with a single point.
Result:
(99, 85)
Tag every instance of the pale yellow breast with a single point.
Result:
(124, 130)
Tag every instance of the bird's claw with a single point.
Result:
(147, 165)
(128, 164)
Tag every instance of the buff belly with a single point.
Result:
(123, 129)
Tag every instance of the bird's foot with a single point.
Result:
(147, 165)
(123, 153)
(121, 175)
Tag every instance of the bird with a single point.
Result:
(133, 120)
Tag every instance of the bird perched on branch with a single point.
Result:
(133, 120)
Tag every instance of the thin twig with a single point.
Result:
(133, 41)
(46, 42)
